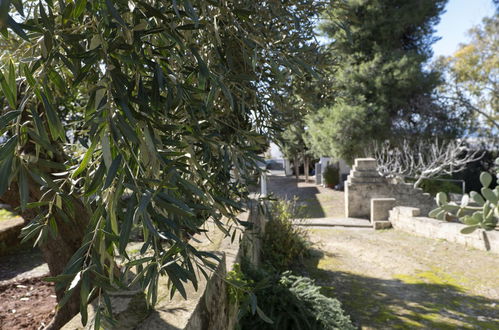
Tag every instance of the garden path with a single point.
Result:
(390, 279)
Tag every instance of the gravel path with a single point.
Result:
(394, 280)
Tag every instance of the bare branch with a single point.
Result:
(423, 160)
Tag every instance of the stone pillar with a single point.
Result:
(318, 173)
(287, 167)
(263, 184)
(363, 183)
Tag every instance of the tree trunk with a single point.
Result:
(305, 169)
(297, 168)
(57, 250)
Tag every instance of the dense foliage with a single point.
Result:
(117, 114)
(380, 86)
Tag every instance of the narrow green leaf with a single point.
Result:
(23, 187)
(7, 118)
(7, 149)
(12, 80)
(7, 91)
(115, 13)
(126, 227)
(79, 8)
(85, 160)
(16, 28)
(5, 171)
(262, 315)
(113, 169)
(55, 125)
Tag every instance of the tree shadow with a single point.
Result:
(427, 300)
(287, 188)
(20, 262)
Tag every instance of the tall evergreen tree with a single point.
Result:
(381, 86)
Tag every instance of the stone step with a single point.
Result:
(381, 224)
(365, 174)
(366, 180)
(365, 163)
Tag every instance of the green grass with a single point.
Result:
(6, 215)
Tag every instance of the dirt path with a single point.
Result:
(395, 280)
(319, 202)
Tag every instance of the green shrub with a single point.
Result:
(291, 302)
(283, 243)
(331, 175)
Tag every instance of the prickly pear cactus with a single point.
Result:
(477, 210)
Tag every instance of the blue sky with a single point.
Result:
(459, 17)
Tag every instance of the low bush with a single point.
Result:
(283, 243)
(331, 175)
(290, 302)
(270, 297)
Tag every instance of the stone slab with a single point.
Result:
(333, 222)
(365, 163)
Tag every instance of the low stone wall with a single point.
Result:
(208, 307)
(364, 183)
(10, 230)
(408, 219)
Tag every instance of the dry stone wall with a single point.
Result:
(365, 183)
(408, 219)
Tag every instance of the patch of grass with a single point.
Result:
(433, 276)
(6, 215)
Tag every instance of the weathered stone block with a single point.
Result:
(409, 211)
(365, 163)
(383, 224)
(380, 208)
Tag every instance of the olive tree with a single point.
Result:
(123, 114)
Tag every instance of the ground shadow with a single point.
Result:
(406, 303)
(287, 188)
(19, 262)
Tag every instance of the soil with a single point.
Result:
(26, 304)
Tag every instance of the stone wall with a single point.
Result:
(408, 219)
(365, 183)
(208, 307)
(10, 231)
